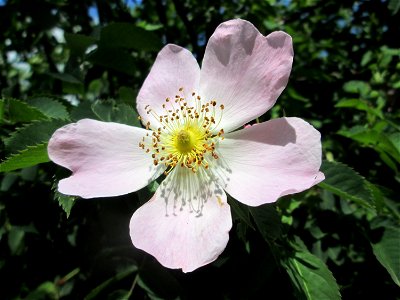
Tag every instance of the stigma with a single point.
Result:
(186, 132)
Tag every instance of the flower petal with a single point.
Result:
(175, 67)
(245, 71)
(188, 234)
(105, 159)
(319, 178)
(261, 163)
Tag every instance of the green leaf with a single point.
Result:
(17, 111)
(116, 41)
(377, 196)
(240, 211)
(378, 140)
(66, 77)
(103, 109)
(31, 134)
(359, 105)
(267, 220)
(50, 107)
(108, 111)
(357, 87)
(15, 239)
(126, 35)
(395, 140)
(29, 174)
(295, 95)
(7, 181)
(114, 58)
(311, 277)
(78, 43)
(47, 290)
(387, 251)
(394, 6)
(126, 94)
(82, 111)
(125, 114)
(149, 27)
(119, 276)
(147, 192)
(345, 182)
(366, 58)
(65, 201)
(31, 156)
(119, 295)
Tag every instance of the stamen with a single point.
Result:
(186, 136)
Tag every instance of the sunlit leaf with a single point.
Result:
(372, 137)
(311, 277)
(47, 290)
(345, 182)
(28, 157)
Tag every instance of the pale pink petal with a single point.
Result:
(261, 163)
(174, 68)
(186, 224)
(319, 178)
(105, 159)
(245, 71)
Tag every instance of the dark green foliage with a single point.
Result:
(338, 239)
(310, 276)
(386, 249)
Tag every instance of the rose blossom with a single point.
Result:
(191, 117)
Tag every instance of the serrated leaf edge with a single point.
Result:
(14, 155)
(345, 194)
(54, 99)
(6, 100)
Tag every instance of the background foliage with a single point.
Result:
(61, 61)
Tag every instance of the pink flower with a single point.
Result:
(191, 116)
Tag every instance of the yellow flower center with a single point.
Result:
(185, 140)
(186, 135)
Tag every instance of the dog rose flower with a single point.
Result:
(191, 116)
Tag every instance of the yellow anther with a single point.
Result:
(187, 134)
